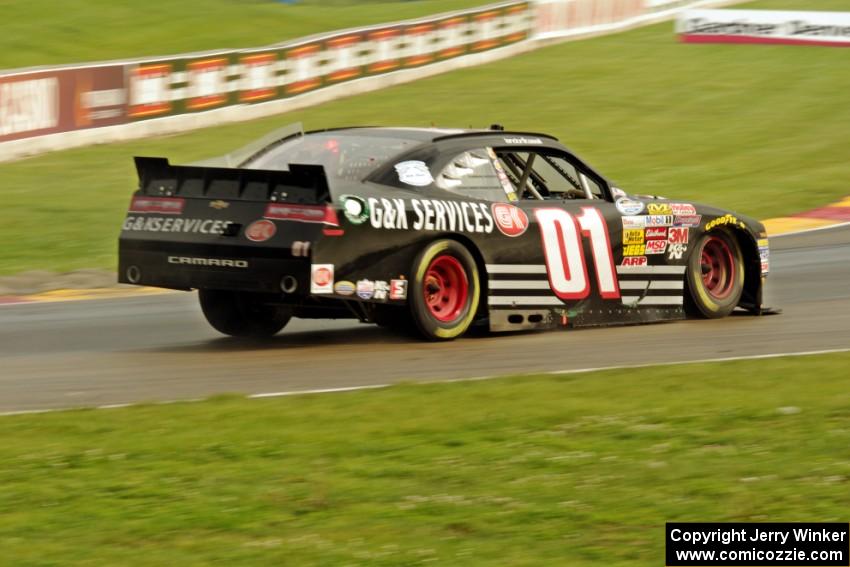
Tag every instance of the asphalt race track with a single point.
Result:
(155, 348)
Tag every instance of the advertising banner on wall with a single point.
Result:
(765, 26)
(47, 102)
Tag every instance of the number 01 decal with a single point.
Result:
(564, 253)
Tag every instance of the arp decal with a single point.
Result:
(510, 220)
(565, 261)
(321, 278)
(635, 261)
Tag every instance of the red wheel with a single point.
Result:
(445, 289)
(715, 275)
(718, 267)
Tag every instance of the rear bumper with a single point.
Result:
(196, 266)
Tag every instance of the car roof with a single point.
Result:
(427, 134)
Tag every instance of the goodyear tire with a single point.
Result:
(715, 275)
(445, 290)
(241, 314)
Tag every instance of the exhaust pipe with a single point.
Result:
(288, 284)
(134, 274)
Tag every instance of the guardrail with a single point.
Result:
(43, 109)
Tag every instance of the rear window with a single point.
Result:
(344, 155)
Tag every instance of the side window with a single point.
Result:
(548, 175)
(473, 174)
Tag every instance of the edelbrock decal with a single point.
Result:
(414, 173)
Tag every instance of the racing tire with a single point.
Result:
(444, 291)
(715, 275)
(240, 314)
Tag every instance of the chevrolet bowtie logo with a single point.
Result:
(219, 204)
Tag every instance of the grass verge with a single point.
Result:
(758, 129)
(572, 470)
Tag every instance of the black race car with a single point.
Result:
(430, 229)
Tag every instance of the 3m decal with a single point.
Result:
(321, 278)
(659, 209)
(398, 289)
(628, 206)
(678, 235)
(355, 209)
(632, 236)
(260, 231)
(510, 220)
(565, 262)
(414, 173)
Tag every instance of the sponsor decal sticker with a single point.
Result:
(321, 278)
(217, 262)
(659, 209)
(355, 209)
(676, 251)
(633, 236)
(510, 220)
(628, 206)
(414, 173)
(398, 289)
(659, 220)
(382, 288)
(683, 209)
(159, 224)
(365, 289)
(260, 231)
(678, 235)
(634, 250)
(656, 232)
(158, 205)
(634, 261)
(300, 213)
(218, 204)
(344, 288)
(724, 220)
(617, 192)
(764, 255)
(523, 140)
(687, 220)
(430, 214)
(656, 246)
(634, 222)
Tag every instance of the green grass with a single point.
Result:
(50, 32)
(757, 129)
(573, 470)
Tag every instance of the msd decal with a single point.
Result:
(321, 278)
(510, 220)
(656, 246)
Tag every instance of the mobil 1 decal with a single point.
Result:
(565, 262)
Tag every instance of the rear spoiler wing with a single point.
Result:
(301, 184)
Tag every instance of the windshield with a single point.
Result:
(348, 155)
